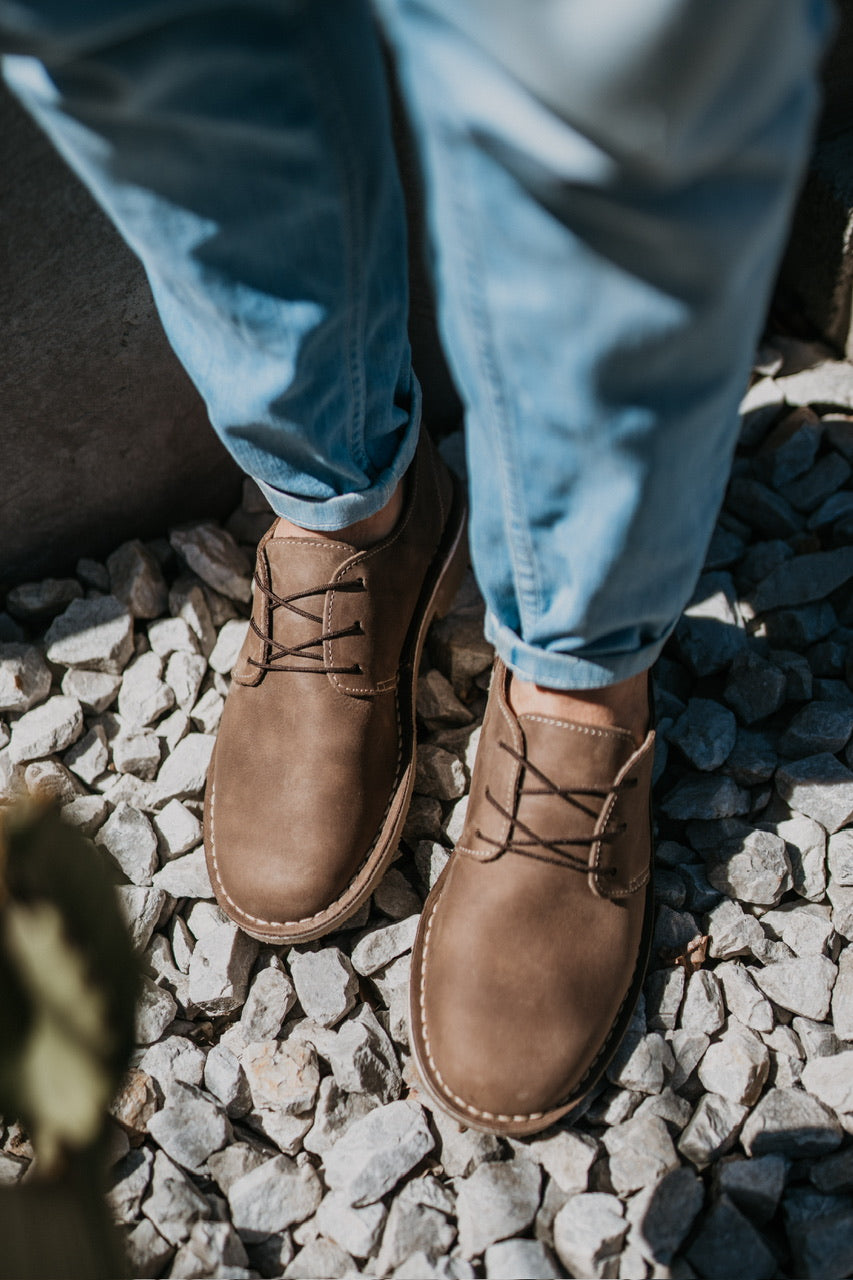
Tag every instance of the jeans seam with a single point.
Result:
(353, 243)
(524, 572)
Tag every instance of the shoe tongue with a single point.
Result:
(296, 565)
(573, 757)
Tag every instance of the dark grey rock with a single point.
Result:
(754, 1185)
(804, 579)
(823, 1247)
(762, 558)
(820, 726)
(36, 602)
(724, 549)
(698, 796)
(792, 1123)
(829, 658)
(820, 787)
(790, 448)
(136, 579)
(808, 492)
(827, 689)
(753, 759)
(798, 628)
(709, 634)
(834, 1173)
(763, 510)
(839, 506)
(755, 688)
(705, 733)
(729, 1245)
(798, 674)
(662, 1215)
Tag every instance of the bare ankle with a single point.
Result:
(623, 705)
(362, 534)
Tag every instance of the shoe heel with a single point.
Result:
(454, 572)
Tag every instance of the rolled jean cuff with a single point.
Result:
(328, 514)
(565, 670)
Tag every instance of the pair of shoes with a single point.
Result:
(532, 946)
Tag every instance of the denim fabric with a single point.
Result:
(608, 189)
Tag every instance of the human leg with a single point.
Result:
(244, 152)
(610, 191)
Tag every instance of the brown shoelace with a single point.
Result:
(562, 857)
(303, 650)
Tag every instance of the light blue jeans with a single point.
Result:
(608, 186)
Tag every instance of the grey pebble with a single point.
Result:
(712, 1129)
(820, 787)
(589, 1232)
(820, 726)
(136, 579)
(213, 554)
(36, 602)
(96, 634)
(755, 687)
(24, 677)
(705, 733)
(729, 1245)
(377, 1151)
(790, 1122)
(754, 1185)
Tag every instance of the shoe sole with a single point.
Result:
(441, 584)
(520, 1126)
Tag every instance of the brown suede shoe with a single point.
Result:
(533, 943)
(312, 773)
